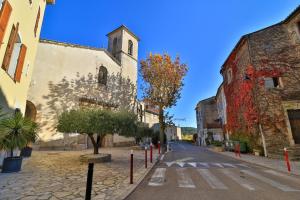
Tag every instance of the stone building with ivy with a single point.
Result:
(262, 86)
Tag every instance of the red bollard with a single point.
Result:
(131, 167)
(146, 157)
(151, 153)
(287, 160)
(158, 146)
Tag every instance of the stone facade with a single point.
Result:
(207, 120)
(221, 107)
(70, 76)
(272, 56)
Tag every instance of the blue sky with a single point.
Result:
(202, 32)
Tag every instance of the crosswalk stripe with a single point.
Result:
(158, 177)
(213, 181)
(271, 182)
(193, 164)
(181, 164)
(229, 165)
(269, 171)
(238, 179)
(243, 165)
(204, 164)
(218, 165)
(169, 164)
(184, 180)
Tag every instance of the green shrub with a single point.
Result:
(217, 143)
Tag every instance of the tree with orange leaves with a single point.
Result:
(163, 81)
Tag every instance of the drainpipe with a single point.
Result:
(263, 140)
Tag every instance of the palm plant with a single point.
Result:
(16, 131)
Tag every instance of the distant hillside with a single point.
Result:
(188, 130)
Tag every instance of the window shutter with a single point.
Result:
(20, 64)
(4, 17)
(10, 46)
(37, 21)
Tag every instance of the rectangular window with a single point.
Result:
(272, 82)
(10, 46)
(4, 18)
(37, 21)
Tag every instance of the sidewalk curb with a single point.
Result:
(138, 182)
(254, 163)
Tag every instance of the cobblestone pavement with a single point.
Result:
(60, 175)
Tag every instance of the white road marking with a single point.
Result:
(181, 164)
(218, 165)
(162, 157)
(282, 175)
(184, 159)
(204, 164)
(243, 165)
(169, 164)
(229, 165)
(271, 182)
(193, 164)
(213, 181)
(238, 179)
(184, 180)
(158, 177)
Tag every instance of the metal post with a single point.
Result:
(287, 160)
(151, 149)
(89, 182)
(158, 145)
(145, 157)
(131, 167)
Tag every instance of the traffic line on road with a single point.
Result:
(169, 164)
(158, 177)
(204, 164)
(218, 165)
(228, 165)
(181, 164)
(275, 173)
(242, 165)
(193, 164)
(238, 179)
(184, 180)
(271, 182)
(212, 180)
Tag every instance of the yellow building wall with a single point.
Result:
(12, 94)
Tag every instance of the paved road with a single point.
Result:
(189, 172)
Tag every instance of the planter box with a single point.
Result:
(12, 164)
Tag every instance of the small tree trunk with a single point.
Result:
(11, 152)
(96, 151)
(161, 125)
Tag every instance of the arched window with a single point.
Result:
(114, 49)
(130, 47)
(102, 76)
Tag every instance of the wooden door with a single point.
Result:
(294, 117)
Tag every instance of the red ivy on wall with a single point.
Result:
(241, 93)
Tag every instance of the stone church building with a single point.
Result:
(67, 76)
